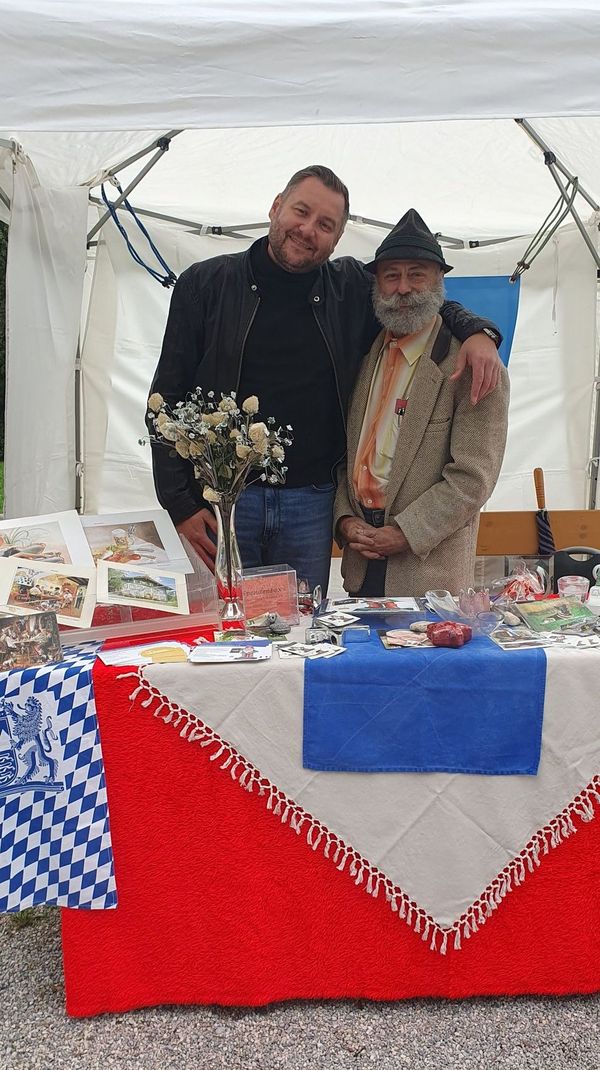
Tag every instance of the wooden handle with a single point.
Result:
(540, 493)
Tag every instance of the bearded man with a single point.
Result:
(283, 322)
(422, 460)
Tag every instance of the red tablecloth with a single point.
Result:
(221, 903)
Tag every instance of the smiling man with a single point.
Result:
(422, 460)
(285, 323)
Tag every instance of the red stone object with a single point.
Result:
(449, 633)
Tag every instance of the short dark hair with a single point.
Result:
(324, 175)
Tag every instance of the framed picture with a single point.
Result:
(55, 537)
(28, 641)
(141, 538)
(151, 588)
(67, 590)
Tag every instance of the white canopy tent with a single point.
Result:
(360, 86)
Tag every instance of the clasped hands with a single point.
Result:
(371, 542)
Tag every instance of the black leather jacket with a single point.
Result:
(212, 308)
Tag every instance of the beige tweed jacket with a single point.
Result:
(447, 461)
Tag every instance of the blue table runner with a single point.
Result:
(475, 709)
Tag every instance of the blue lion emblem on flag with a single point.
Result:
(26, 760)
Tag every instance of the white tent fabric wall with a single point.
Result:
(552, 368)
(44, 281)
(552, 362)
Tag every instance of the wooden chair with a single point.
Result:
(515, 533)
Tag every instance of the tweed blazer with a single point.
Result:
(447, 460)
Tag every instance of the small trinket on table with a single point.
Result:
(449, 633)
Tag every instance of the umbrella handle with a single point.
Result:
(540, 493)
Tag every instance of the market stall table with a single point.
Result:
(249, 896)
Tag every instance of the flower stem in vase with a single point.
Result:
(228, 568)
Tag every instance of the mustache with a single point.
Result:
(407, 313)
(423, 299)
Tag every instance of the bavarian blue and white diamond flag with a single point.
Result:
(54, 831)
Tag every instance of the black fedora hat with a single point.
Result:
(411, 239)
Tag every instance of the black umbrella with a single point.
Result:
(545, 538)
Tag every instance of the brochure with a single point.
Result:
(152, 653)
(240, 651)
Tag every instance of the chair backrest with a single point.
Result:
(566, 565)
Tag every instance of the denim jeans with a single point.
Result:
(291, 526)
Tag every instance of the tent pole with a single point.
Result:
(541, 144)
(192, 224)
(79, 491)
(555, 166)
(594, 460)
(577, 218)
(163, 146)
(138, 155)
(237, 230)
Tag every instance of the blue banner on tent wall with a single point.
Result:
(492, 296)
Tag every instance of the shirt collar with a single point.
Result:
(412, 345)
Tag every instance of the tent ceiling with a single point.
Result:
(132, 64)
(350, 73)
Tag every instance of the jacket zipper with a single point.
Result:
(337, 389)
(244, 340)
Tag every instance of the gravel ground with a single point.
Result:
(35, 1033)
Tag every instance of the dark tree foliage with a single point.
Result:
(3, 245)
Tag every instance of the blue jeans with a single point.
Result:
(291, 526)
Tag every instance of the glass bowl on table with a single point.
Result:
(573, 587)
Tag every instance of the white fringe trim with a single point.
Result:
(583, 807)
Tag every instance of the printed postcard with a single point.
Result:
(27, 641)
(56, 537)
(552, 614)
(150, 588)
(67, 590)
(140, 538)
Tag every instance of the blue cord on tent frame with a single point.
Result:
(169, 278)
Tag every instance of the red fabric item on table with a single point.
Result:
(219, 903)
(181, 635)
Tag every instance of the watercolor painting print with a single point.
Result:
(54, 537)
(67, 590)
(127, 585)
(137, 538)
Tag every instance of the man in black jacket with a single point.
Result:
(283, 322)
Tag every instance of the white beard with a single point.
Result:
(408, 314)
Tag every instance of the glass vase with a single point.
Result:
(228, 569)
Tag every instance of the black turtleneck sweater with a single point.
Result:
(286, 363)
